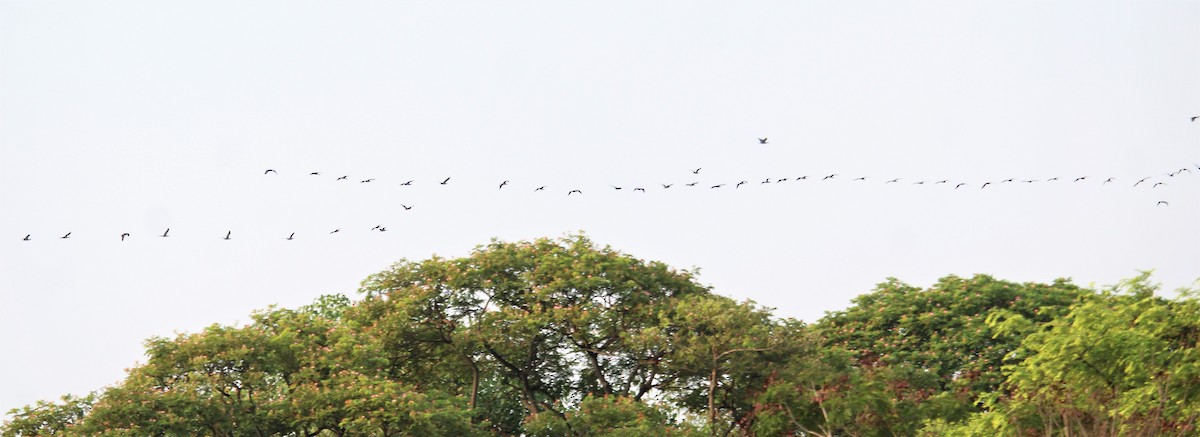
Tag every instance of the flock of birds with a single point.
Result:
(1147, 181)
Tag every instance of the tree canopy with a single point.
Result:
(562, 337)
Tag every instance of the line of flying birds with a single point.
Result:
(763, 140)
(1146, 181)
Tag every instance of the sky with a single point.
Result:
(138, 116)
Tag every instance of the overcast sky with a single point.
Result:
(138, 116)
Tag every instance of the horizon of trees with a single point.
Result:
(562, 337)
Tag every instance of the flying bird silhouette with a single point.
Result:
(802, 178)
(893, 181)
(336, 231)
(739, 184)
(985, 184)
(696, 171)
(615, 187)
(861, 178)
(382, 229)
(124, 235)
(919, 183)
(165, 232)
(1157, 184)
(1108, 180)
(718, 186)
(1139, 182)
(941, 181)
(376, 227)
(292, 236)
(407, 183)
(540, 188)
(27, 238)
(830, 176)
(640, 189)
(368, 180)
(270, 171)
(665, 186)
(1194, 118)
(781, 180)
(1080, 178)
(765, 181)
(959, 185)
(1052, 179)
(502, 184)
(227, 234)
(1162, 202)
(1030, 181)
(1006, 180)
(445, 181)
(691, 184)
(574, 191)
(762, 141)
(343, 177)
(315, 173)
(66, 236)
(406, 207)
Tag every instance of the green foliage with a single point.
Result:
(564, 338)
(49, 418)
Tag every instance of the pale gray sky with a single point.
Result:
(136, 116)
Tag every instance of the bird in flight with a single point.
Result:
(665, 186)
(227, 234)
(802, 178)
(762, 141)
(406, 207)
(543, 187)
(408, 183)
(941, 181)
(502, 184)
(615, 187)
(985, 184)
(376, 227)
(1108, 180)
(315, 173)
(445, 181)
(1157, 184)
(66, 236)
(640, 189)
(27, 238)
(382, 229)
(919, 183)
(765, 181)
(124, 235)
(1162, 202)
(1080, 178)
(1006, 180)
(164, 235)
(1030, 181)
(959, 185)
(1138, 182)
(1052, 179)
(718, 186)
(830, 176)
(696, 171)
(781, 180)
(336, 231)
(739, 184)
(293, 236)
(574, 191)
(861, 178)
(692, 184)
(1194, 118)
(343, 177)
(893, 181)
(368, 180)
(270, 171)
